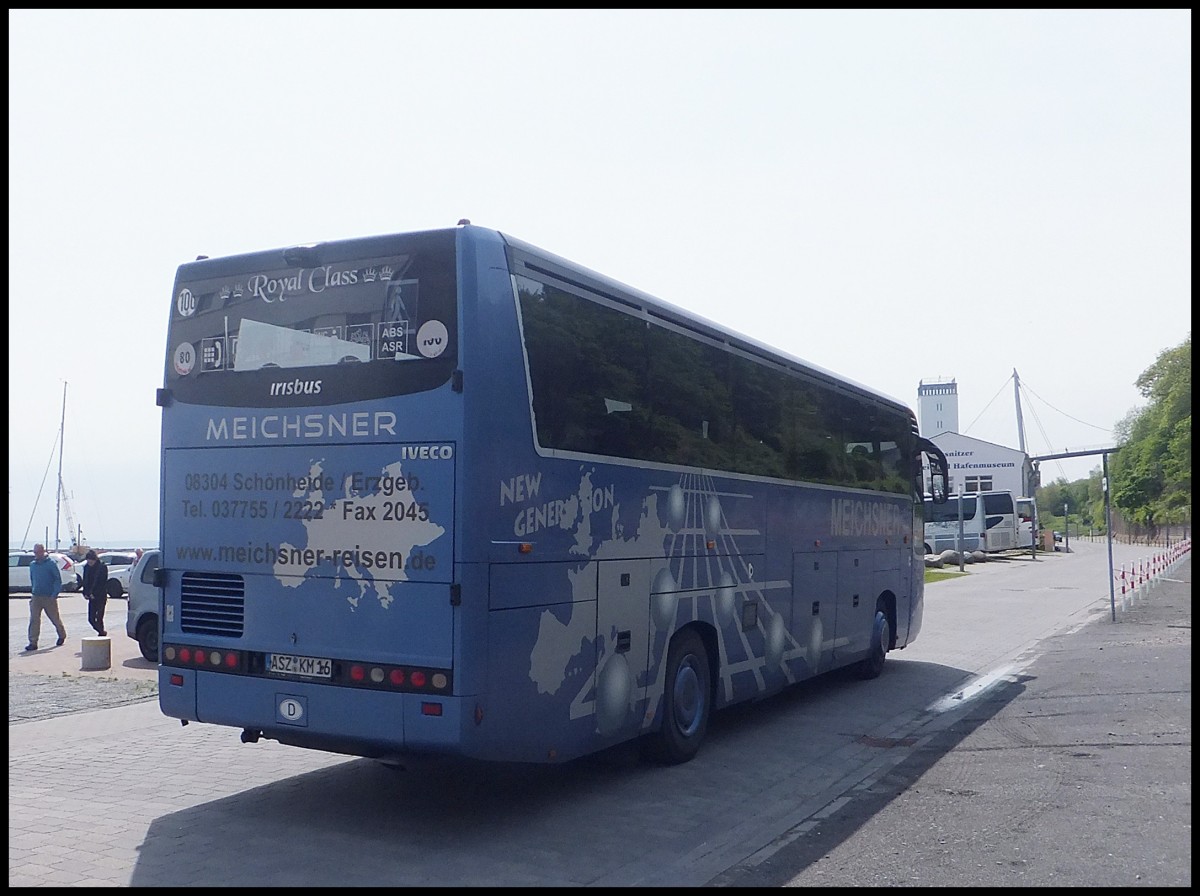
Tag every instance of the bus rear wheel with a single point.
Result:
(687, 702)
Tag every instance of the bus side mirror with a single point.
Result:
(937, 487)
(939, 471)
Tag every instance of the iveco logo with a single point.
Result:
(296, 387)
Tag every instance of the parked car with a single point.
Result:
(120, 565)
(141, 618)
(18, 571)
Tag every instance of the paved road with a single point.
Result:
(1077, 772)
(1070, 765)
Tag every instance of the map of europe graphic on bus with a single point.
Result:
(692, 581)
(370, 520)
(352, 520)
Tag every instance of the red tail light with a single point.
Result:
(338, 672)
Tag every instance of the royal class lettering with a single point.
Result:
(358, 425)
(297, 387)
(277, 289)
(853, 517)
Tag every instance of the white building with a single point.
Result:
(975, 465)
(937, 408)
(979, 466)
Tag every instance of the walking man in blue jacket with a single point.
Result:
(45, 581)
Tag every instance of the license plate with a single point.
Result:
(307, 666)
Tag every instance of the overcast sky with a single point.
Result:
(894, 196)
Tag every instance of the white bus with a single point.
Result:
(941, 524)
(989, 523)
(1001, 510)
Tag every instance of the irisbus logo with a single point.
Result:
(296, 387)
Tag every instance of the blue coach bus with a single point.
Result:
(446, 493)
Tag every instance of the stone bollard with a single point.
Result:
(97, 654)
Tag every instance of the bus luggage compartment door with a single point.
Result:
(622, 645)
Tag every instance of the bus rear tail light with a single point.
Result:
(215, 658)
(400, 678)
(352, 673)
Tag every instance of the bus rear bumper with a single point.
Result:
(357, 722)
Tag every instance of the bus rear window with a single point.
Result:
(240, 319)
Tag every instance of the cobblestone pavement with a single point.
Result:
(50, 682)
(32, 697)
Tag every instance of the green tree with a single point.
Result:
(1151, 474)
(1084, 500)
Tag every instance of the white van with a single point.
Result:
(141, 618)
(1027, 525)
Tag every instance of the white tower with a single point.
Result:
(937, 407)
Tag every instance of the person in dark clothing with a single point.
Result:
(95, 589)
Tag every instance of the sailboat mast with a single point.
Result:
(62, 426)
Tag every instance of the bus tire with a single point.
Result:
(687, 702)
(881, 637)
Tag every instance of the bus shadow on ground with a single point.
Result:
(470, 823)
(835, 829)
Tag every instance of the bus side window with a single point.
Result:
(864, 468)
